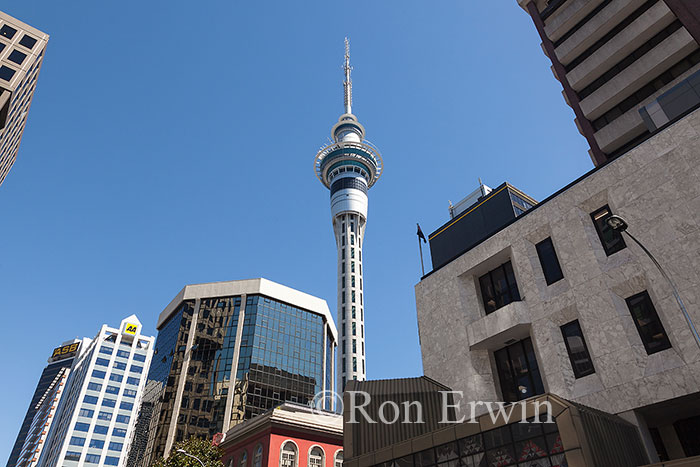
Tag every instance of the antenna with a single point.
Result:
(347, 84)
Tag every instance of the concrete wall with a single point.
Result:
(656, 187)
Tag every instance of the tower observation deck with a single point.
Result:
(349, 167)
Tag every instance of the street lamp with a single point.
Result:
(618, 224)
(182, 451)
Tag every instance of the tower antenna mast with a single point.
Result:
(347, 84)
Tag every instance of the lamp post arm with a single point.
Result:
(193, 457)
(677, 296)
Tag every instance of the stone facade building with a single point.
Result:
(554, 302)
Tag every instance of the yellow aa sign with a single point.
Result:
(131, 329)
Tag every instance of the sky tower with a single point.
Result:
(348, 167)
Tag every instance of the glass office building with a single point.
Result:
(227, 352)
(95, 419)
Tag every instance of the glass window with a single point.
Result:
(549, 261)
(136, 369)
(649, 326)
(123, 353)
(129, 393)
(97, 443)
(6, 73)
(82, 426)
(111, 460)
(578, 351)
(139, 358)
(518, 371)
(17, 57)
(104, 416)
(244, 459)
(87, 413)
(116, 377)
(316, 457)
(132, 380)
(289, 455)
(72, 456)
(8, 31)
(258, 457)
(101, 429)
(126, 405)
(339, 459)
(98, 374)
(119, 365)
(611, 240)
(112, 390)
(116, 446)
(123, 418)
(27, 41)
(92, 459)
(90, 400)
(77, 441)
(109, 402)
(94, 386)
(498, 288)
(105, 349)
(102, 361)
(119, 432)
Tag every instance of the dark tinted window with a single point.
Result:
(612, 241)
(548, 260)
(28, 42)
(648, 323)
(6, 73)
(17, 57)
(577, 349)
(498, 288)
(518, 371)
(8, 31)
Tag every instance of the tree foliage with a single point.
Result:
(201, 448)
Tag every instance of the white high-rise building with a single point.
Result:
(97, 413)
(348, 167)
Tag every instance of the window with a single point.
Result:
(117, 378)
(354, 329)
(288, 458)
(119, 365)
(87, 413)
(354, 363)
(92, 459)
(257, 458)
(6, 73)
(126, 405)
(97, 443)
(338, 459)
(132, 380)
(111, 460)
(101, 429)
(129, 393)
(549, 261)
(72, 456)
(115, 446)
(122, 419)
(28, 42)
(139, 358)
(106, 350)
(244, 460)
(102, 361)
(8, 31)
(576, 347)
(316, 457)
(498, 288)
(94, 386)
(112, 390)
(17, 57)
(612, 241)
(98, 374)
(649, 326)
(123, 353)
(82, 426)
(90, 400)
(109, 402)
(77, 441)
(119, 432)
(518, 371)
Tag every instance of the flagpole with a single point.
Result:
(420, 248)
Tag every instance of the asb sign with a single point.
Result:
(65, 351)
(131, 329)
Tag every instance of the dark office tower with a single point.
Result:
(37, 421)
(21, 55)
(620, 63)
(226, 352)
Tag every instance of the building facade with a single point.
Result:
(42, 408)
(228, 351)
(349, 167)
(291, 435)
(614, 57)
(558, 302)
(95, 418)
(21, 56)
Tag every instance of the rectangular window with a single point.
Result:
(97, 443)
(87, 413)
(549, 261)
(102, 361)
(518, 371)
(98, 374)
(117, 378)
(106, 350)
(352, 239)
(92, 458)
(133, 381)
(352, 252)
(354, 363)
(109, 402)
(101, 429)
(94, 386)
(8, 31)
(353, 296)
(119, 432)
(353, 311)
(116, 446)
(352, 280)
(129, 393)
(111, 460)
(649, 326)
(119, 365)
(126, 405)
(498, 288)
(139, 358)
(104, 416)
(352, 266)
(354, 346)
(611, 240)
(82, 426)
(77, 441)
(136, 369)
(123, 419)
(90, 400)
(578, 351)
(112, 390)
(123, 353)
(354, 329)
(28, 42)
(72, 456)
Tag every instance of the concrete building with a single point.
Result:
(21, 56)
(226, 352)
(614, 57)
(95, 419)
(37, 422)
(349, 167)
(290, 435)
(556, 302)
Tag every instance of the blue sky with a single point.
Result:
(172, 143)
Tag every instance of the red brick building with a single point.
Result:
(289, 436)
